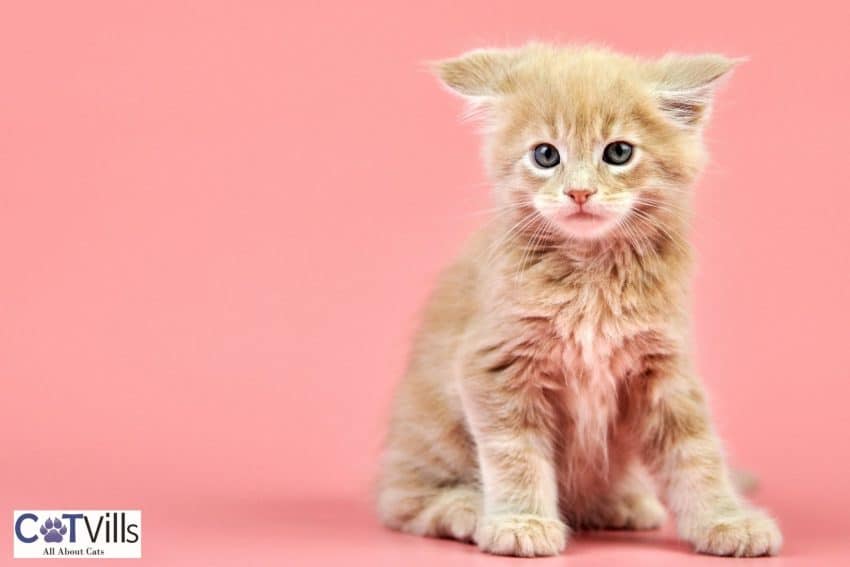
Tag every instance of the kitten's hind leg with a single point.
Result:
(629, 511)
(420, 509)
(632, 504)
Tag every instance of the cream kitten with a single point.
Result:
(551, 381)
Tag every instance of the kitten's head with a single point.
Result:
(591, 142)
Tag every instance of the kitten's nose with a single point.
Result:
(580, 196)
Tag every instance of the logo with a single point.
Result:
(90, 534)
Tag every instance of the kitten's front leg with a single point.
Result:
(687, 457)
(506, 411)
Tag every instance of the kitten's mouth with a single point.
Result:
(582, 223)
(583, 216)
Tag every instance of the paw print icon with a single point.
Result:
(53, 530)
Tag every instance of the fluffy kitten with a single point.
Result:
(551, 377)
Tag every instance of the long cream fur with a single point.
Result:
(551, 385)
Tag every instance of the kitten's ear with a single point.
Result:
(685, 85)
(478, 73)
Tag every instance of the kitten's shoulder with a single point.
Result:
(454, 299)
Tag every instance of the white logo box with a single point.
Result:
(78, 534)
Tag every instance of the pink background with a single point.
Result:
(218, 221)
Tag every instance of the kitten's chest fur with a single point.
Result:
(598, 355)
(598, 328)
(601, 328)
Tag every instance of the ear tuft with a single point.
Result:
(482, 72)
(685, 85)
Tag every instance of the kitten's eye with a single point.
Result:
(617, 153)
(546, 156)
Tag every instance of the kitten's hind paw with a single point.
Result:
(641, 511)
(456, 514)
(524, 535)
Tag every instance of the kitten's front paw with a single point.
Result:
(743, 533)
(524, 535)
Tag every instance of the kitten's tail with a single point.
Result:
(744, 482)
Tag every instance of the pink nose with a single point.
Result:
(580, 196)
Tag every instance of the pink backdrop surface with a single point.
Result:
(219, 219)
